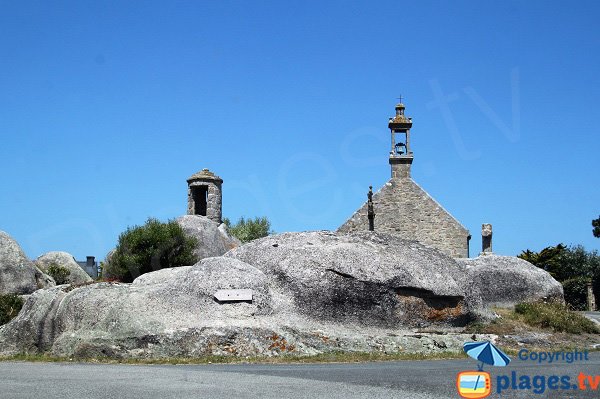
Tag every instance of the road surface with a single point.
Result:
(595, 316)
(408, 379)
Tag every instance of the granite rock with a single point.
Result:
(367, 278)
(76, 274)
(507, 280)
(213, 238)
(18, 275)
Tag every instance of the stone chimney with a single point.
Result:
(486, 239)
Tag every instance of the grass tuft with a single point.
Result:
(555, 316)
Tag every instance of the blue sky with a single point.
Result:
(107, 107)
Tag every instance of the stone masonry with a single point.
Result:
(403, 208)
(205, 196)
(486, 239)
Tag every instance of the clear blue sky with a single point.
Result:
(106, 107)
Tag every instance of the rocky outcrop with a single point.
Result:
(366, 278)
(18, 275)
(507, 280)
(166, 311)
(76, 274)
(213, 239)
(312, 292)
(43, 280)
(172, 313)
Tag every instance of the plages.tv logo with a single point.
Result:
(478, 384)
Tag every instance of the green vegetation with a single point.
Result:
(249, 229)
(533, 316)
(576, 292)
(330, 357)
(555, 316)
(10, 305)
(572, 266)
(101, 270)
(547, 259)
(59, 273)
(596, 226)
(153, 246)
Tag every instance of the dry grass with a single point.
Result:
(556, 317)
(528, 317)
(332, 357)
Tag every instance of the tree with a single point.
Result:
(249, 229)
(596, 225)
(575, 290)
(547, 259)
(572, 266)
(153, 246)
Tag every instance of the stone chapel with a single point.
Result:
(403, 208)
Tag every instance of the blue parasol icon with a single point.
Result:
(486, 353)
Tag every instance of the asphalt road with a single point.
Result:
(410, 379)
(593, 315)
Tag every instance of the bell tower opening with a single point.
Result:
(401, 155)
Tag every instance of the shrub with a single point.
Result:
(59, 273)
(576, 292)
(153, 246)
(566, 264)
(249, 229)
(10, 305)
(555, 316)
(549, 259)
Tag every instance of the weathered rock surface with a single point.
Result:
(312, 292)
(213, 239)
(18, 275)
(164, 313)
(508, 280)
(367, 278)
(76, 276)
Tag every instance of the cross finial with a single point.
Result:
(400, 98)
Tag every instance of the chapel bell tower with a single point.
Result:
(401, 156)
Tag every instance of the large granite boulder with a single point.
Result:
(366, 278)
(169, 312)
(504, 281)
(312, 292)
(76, 274)
(18, 275)
(213, 239)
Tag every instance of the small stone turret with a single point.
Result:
(204, 195)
